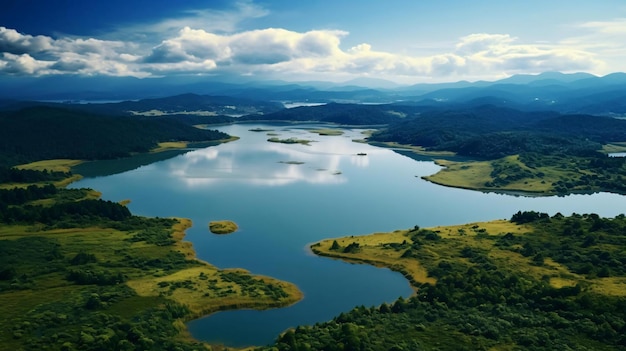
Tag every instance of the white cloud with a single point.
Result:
(14, 42)
(317, 54)
(210, 20)
(23, 64)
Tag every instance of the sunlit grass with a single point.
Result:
(58, 165)
(469, 175)
(205, 289)
(223, 227)
(378, 249)
(372, 252)
(169, 145)
(614, 147)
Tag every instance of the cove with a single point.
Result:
(285, 196)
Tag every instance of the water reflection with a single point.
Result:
(271, 164)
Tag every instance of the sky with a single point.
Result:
(405, 41)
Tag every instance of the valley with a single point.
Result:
(93, 202)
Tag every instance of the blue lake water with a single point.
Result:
(281, 207)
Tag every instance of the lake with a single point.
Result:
(286, 196)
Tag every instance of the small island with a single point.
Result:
(289, 141)
(327, 131)
(223, 227)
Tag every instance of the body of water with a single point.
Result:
(286, 196)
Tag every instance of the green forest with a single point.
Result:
(40, 133)
(554, 284)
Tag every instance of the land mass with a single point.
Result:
(78, 272)
(508, 150)
(532, 282)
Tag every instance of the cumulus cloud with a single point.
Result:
(16, 43)
(24, 54)
(23, 64)
(484, 53)
(287, 54)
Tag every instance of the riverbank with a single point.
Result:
(477, 175)
(128, 268)
(393, 249)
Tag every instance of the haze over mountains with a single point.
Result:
(566, 93)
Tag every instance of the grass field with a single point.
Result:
(386, 250)
(505, 174)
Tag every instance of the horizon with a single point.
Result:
(408, 43)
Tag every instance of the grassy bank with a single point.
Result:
(533, 173)
(79, 273)
(533, 282)
(445, 243)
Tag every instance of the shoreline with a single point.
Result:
(235, 288)
(206, 310)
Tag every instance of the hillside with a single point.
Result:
(493, 132)
(39, 133)
(566, 93)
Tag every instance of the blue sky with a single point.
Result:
(404, 41)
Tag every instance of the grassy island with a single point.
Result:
(533, 282)
(261, 130)
(223, 227)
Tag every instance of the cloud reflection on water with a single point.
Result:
(271, 164)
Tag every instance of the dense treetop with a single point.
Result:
(39, 133)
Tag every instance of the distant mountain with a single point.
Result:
(567, 93)
(374, 83)
(551, 77)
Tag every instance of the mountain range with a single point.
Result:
(565, 93)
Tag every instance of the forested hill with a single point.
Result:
(493, 132)
(350, 114)
(184, 104)
(39, 133)
(219, 105)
